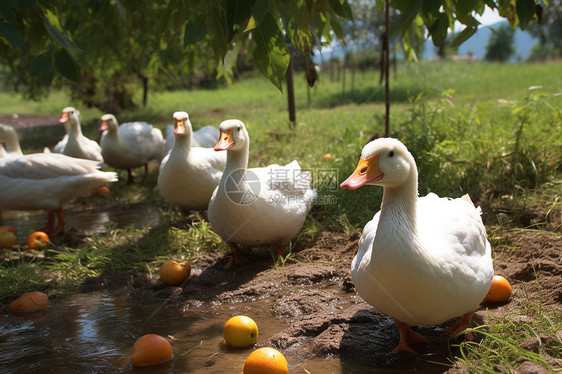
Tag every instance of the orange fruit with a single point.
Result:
(173, 274)
(240, 331)
(151, 349)
(500, 291)
(266, 361)
(327, 156)
(37, 240)
(99, 191)
(29, 302)
(8, 236)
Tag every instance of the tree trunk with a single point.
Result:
(291, 93)
(144, 89)
(386, 68)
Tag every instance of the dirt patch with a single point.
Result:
(326, 318)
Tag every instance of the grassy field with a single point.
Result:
(489, 130)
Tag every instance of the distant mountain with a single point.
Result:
(523, 42)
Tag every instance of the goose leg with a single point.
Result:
(146, 169)
(237, 257)
(280, 250)
(62, 222)
(131, 176)
(460, 326)
(48, 228)
(407, 337)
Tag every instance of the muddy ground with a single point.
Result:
(314, 293)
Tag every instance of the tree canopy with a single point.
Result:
(500, 46)
(98, 46)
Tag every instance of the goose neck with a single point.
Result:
(75, 129)
(182, 145)
(237, 159)
(399, 205)
(12, 145)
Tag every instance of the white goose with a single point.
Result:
(77, 145)
(59, 147)
(189, 175)
(258, 206)
(205, 137)
(9, 137)
(131, 145)
(46, 181)
(423, 260)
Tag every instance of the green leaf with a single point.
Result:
(251, 24)
(58, 37)
(237, 16)
(195, 30)
(465, 7)
(299, 35)
(259, 9)
(341, 8)
(271, 55)
(430, 10)
(7, 12)
(525, 10)
(218, 28)
(463, 36)
(66, 66)
(12, 35)
(41, 67)
(336, 27)
(406, 17)
(439, 29)
(23, 4)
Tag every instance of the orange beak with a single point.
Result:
(63, 118)
(225, 141)
(103, 126)
(180, 127)
(367, 171)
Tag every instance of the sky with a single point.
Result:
(489, 17)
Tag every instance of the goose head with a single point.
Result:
(69, 115)
(182, 124)
(233, 136)
(108, 122)
(385, 162)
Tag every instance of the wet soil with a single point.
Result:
(314, 297)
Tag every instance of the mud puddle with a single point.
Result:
(87, 221)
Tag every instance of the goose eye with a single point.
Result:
(238, 128)
(391, 154)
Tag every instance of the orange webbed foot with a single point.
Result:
(407, 337)
(460, 326)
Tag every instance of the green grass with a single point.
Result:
(507, 341)
(474, 129)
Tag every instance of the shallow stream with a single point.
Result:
(95, 332)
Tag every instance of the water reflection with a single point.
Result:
(95, 333)
(87, 221)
